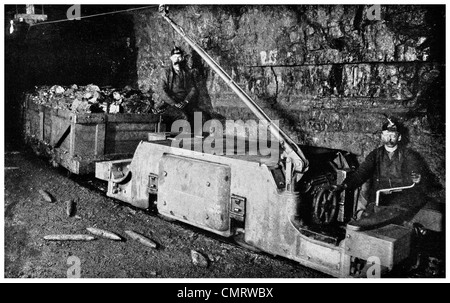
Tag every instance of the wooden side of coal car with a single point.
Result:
(76, 141)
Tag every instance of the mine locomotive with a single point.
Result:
(281, 207)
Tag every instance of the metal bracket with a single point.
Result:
(152, 184)
(120, 172)
(63, 137)
(237, 209)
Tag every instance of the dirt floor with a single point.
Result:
(28, 218)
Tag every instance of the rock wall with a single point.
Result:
(328, 73)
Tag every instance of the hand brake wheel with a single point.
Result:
(325, 206)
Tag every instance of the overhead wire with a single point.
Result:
(95, 15)
(88, 16)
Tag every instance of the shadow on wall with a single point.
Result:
(269, 101)
(429, 178)
(204, 99)
(288, 120)
(431, 102)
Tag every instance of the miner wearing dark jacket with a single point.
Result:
(178, 90)
(391, 165)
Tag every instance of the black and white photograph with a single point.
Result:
(224, 142)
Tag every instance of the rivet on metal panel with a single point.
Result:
(208, 184)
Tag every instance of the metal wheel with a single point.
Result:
(325, 207)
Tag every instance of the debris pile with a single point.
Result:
(92, 99)
(70, 209)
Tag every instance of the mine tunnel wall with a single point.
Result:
(329, 74)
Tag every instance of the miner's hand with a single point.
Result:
(157, 111)
(415, 177)
(336, 188)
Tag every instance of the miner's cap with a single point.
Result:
(390, 125)
(176, 51)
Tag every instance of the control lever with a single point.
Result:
(390, 191)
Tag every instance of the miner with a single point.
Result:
(178, 90)
(388, 166)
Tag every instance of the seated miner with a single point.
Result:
(388, 166)
(178, 91)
